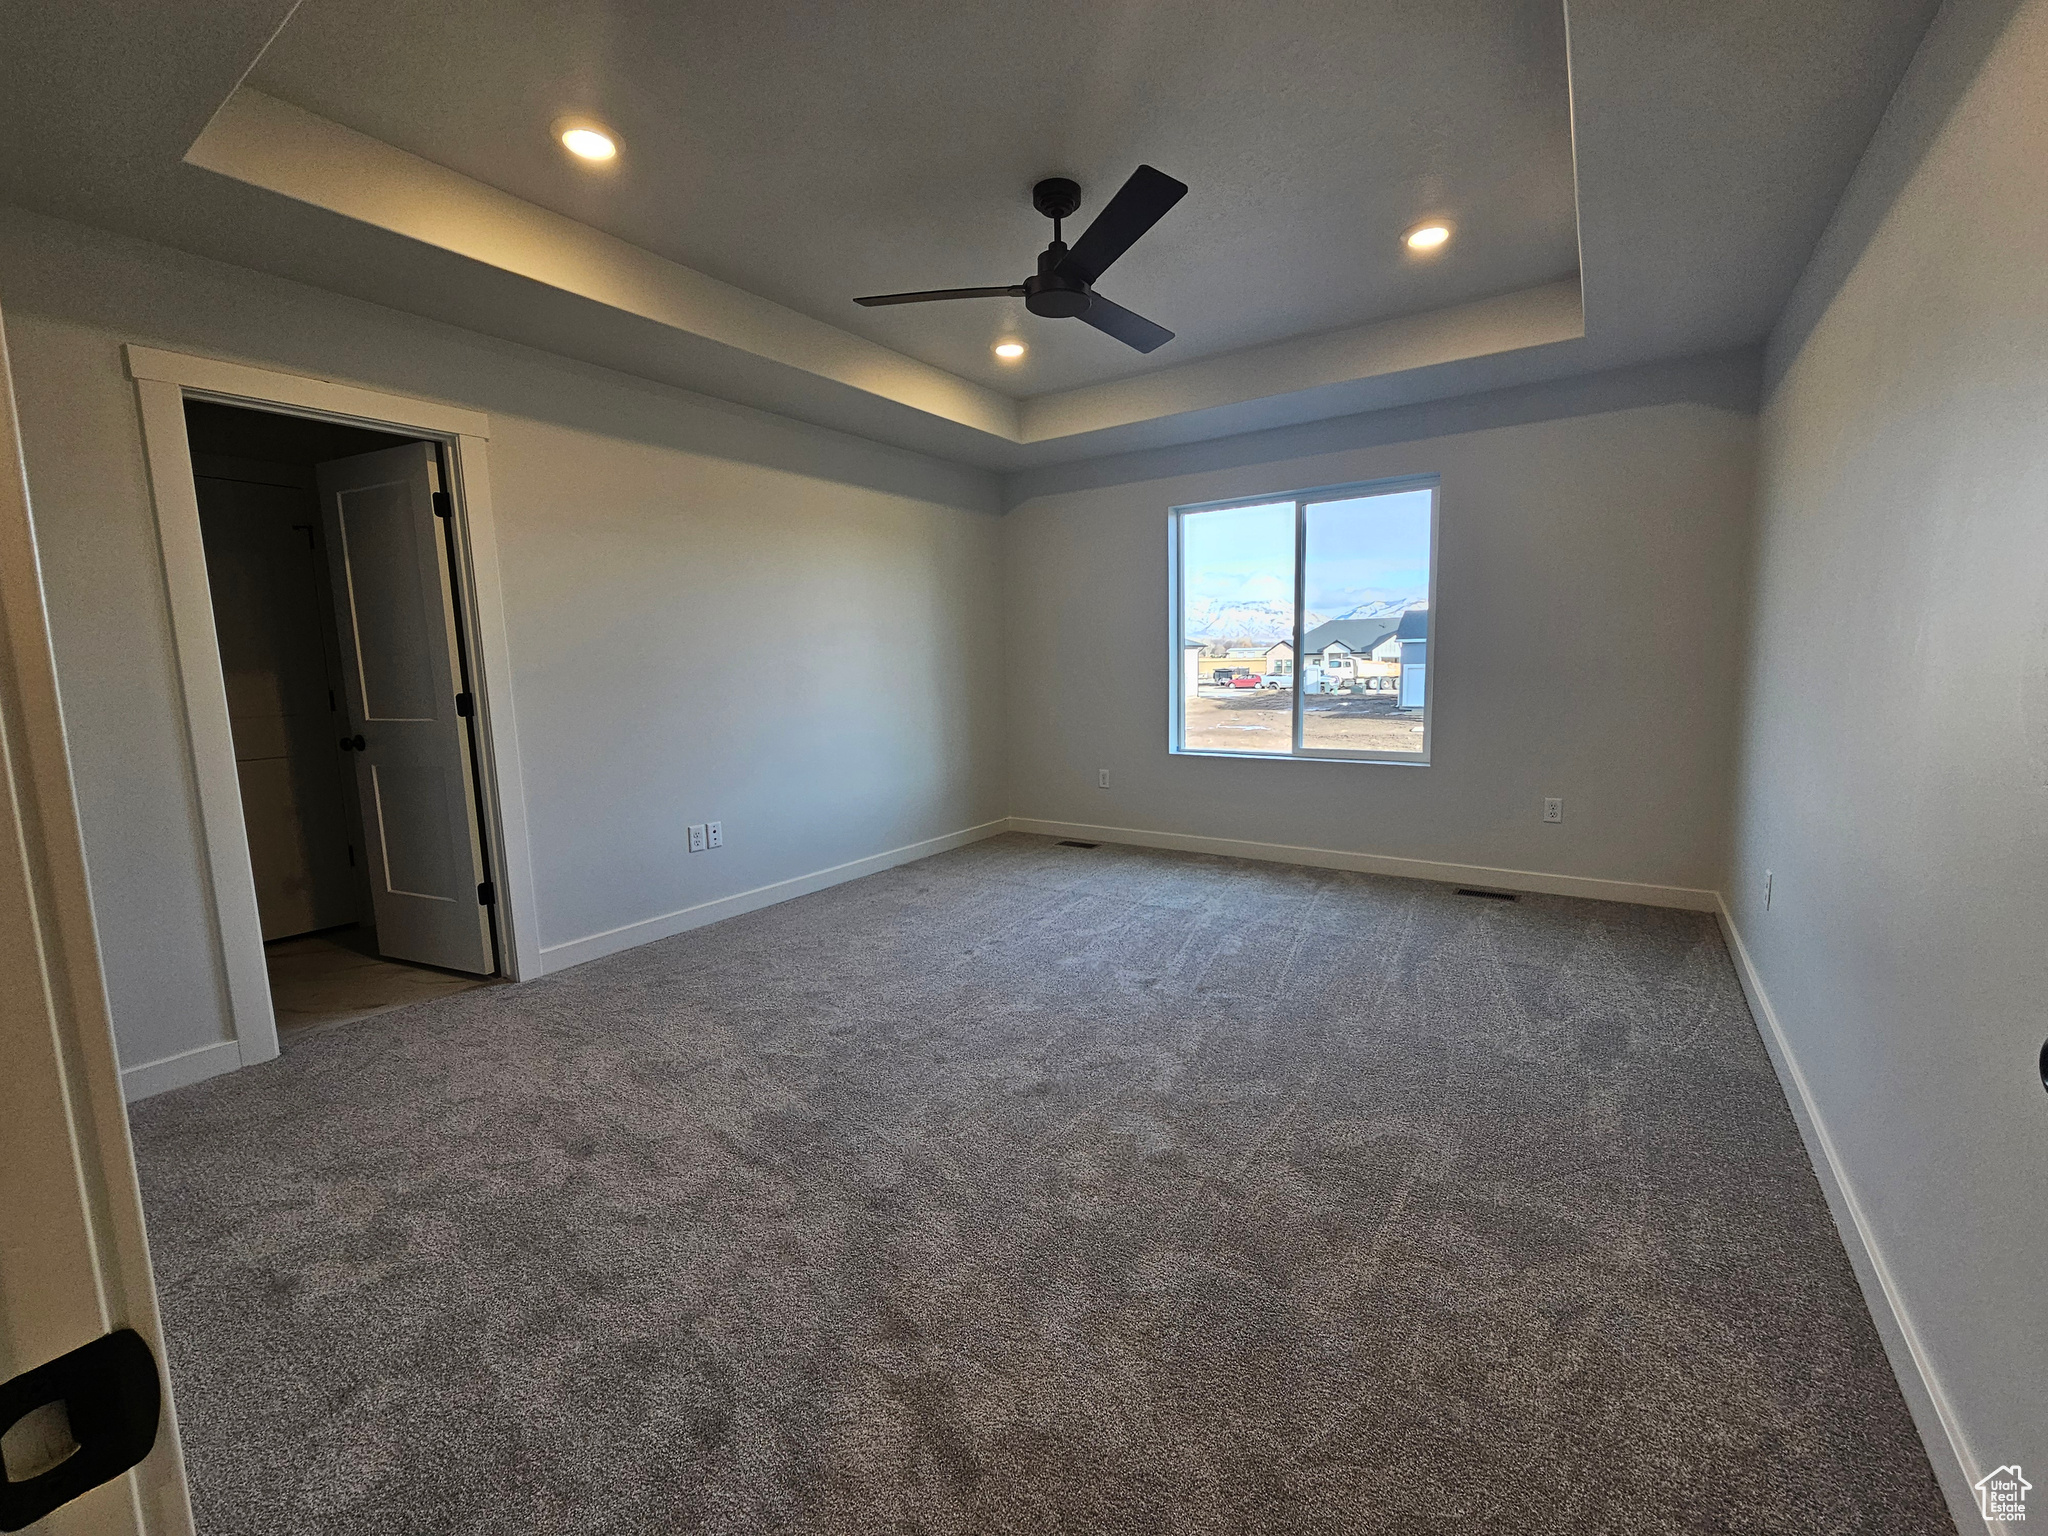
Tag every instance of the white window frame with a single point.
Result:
(1176, 721)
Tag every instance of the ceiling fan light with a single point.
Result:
(1009, 350)
(1427, 237)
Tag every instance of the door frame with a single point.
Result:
(164, 381)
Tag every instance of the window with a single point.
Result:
(1332, 574)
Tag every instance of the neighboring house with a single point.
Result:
(1355, 637)
(1342, 651)
(1279, 659)
(1247, 658)
(1413, 638)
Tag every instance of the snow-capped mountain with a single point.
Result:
(1383, 608)
(1248, 622)
(1254, 621)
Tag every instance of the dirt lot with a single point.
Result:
(1227, 720)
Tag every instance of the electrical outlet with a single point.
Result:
(1553, 810)
(714, 833)
(1102, 778)
(1767, 890)
(697, 836)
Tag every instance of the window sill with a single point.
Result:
(1302, 757)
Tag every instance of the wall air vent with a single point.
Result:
(1465, 890)
(1068, 842)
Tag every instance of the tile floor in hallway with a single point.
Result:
(336, 974)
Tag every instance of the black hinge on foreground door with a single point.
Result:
(465, 704)
(442, 506)
(112, 1397)
(487, 895)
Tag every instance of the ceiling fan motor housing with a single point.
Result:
(1056, 197)
(1050, 293)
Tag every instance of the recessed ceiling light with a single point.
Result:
(1427, 237)
(589, 143)
(1010, 349)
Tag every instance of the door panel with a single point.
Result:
(395, 610)
(418, 845)
(73, 1263)
(391, 609)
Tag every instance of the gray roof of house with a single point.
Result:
(1415, 624)
(1355, 634)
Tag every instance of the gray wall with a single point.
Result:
(713, 613)
(1585, 641)
(1894, 766)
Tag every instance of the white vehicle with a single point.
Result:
(1277, 680)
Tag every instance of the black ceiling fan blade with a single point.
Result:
(1132, 330)
(941, 293)
(1139, 203)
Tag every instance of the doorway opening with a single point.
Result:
(331, 561)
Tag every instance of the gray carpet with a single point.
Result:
(1033, 1188)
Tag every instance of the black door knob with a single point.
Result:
(353, 744)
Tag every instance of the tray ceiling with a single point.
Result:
(806, 153)
(1629, 180)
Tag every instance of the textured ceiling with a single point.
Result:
(810, 152)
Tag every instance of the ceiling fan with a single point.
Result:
(1064, 285)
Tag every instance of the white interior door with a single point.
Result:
(395, 612)
(74, 1266)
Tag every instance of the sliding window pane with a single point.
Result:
(1365, 625)
(1237, 629)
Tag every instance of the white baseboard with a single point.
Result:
(1955, 1467)
(1585, 886)
(559, 957)
(195, 1065)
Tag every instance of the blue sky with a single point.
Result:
(1239, 555)
(1371, 549)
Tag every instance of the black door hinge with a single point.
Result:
(113, 1398)
(465, 704)
(442, 506)
(487, 895)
